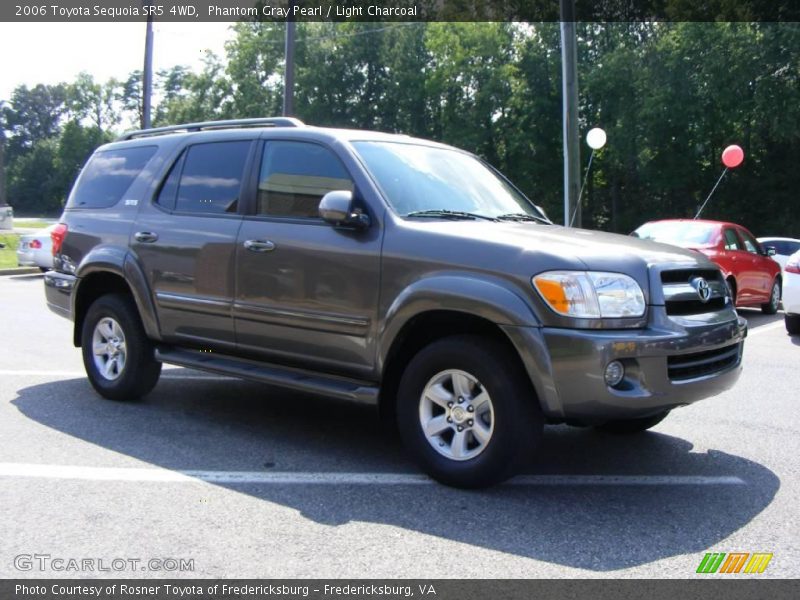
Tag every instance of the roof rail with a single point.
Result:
(212, 125)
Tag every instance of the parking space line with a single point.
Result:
(125, 474)
(764, 328)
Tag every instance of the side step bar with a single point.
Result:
(286, 377)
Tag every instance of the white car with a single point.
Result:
(784, 248)
(791, 294)
(36, 250)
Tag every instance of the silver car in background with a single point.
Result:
(36, 250)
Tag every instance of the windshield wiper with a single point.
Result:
(448, 214)
(522, 217)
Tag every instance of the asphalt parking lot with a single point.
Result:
(214, 477)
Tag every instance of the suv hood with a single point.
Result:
(523, 249)
(591, 250)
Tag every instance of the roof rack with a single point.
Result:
(212, 125)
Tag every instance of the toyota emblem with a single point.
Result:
(703, 289)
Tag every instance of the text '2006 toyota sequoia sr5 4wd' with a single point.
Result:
(381, 269)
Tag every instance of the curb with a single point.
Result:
(20, 271)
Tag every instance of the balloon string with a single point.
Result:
(583, 185)
(712, 193)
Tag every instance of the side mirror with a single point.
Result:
(336, 208)
(771, 251)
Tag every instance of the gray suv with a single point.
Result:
(385, 270)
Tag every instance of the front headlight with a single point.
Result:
(590, 294)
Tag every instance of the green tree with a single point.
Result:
(34, 114)
(89, 100)
(255, 68)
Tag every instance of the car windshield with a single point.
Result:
(679, 233)
(420, 180)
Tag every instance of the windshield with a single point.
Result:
(679, 233)
(417, 178)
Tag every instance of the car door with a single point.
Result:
(185, 240)
(761, 268)
(306, 292)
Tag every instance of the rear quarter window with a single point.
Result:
(108, 175)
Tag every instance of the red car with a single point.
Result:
(754, 279)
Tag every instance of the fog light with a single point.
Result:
(615, 371)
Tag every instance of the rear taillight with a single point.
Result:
(793, 267)
(35, 244)
(57, 235)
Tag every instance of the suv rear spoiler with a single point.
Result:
(211, 125)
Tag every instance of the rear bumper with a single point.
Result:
(664, 367)
(58, 288)
(34, 258)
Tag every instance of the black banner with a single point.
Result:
(395, 10)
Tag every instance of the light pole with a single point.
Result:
(147, 72)
(288, 76)
(569, 86)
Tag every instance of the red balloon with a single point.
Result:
(732, 156)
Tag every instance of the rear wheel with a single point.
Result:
(467, 413)
(792, 323)
(627, 426)
(117, 356)
(771, 307)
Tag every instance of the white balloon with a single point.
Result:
(596, 138)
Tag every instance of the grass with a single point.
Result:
(32, 223)
(8, 255)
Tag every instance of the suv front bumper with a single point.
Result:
(665, 367)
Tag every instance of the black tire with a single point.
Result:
(517, 425)
(731, 283)
(140, 371)
(629, 426)
(792, 323)
(771, 307)
(44, 269)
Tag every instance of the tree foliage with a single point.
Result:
(670, 95)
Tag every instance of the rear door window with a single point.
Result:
(108, 175)
(211, 179)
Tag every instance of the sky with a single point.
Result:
(32, 53)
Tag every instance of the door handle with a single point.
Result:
(259, 245)
(145, 237)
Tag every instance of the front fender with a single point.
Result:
(494, 300)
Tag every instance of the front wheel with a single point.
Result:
(771, 307)
(628, 426)
(467, 413)
(117, 356)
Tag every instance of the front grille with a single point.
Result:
(699, 364)
(680, 294)
(686, 275)
(694, 307)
